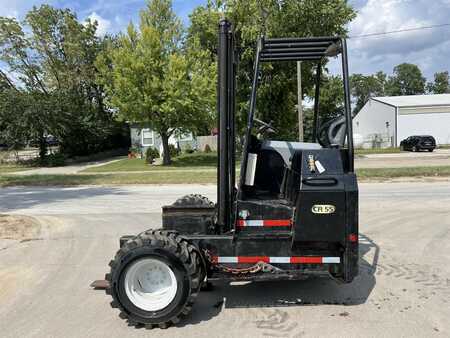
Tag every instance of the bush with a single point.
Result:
(207, 149)
(188, 149)
(173, 151)
(150, 155)
(54, 160)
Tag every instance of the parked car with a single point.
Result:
(418, 143)
(50, 140)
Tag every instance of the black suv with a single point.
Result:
(418, 143)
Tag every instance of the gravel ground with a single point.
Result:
(403, 288)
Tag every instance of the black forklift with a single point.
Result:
(292, 214)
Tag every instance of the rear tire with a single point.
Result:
(155, 279)
(415, 149)
(194, 200)
(430, 150)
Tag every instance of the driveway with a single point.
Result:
(403, 288)
(66, 170)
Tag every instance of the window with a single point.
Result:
(147, 137)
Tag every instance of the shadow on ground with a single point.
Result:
(16, 198)
(310, 292)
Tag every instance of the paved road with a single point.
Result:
(440, 157)
(403, 288)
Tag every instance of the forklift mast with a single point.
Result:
(226, 141)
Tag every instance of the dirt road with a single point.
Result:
(403, 288)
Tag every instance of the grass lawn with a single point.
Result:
(199, 176)
(386, 173)
(196, 161)
(377, 151)
(10, 168)
(169, 177)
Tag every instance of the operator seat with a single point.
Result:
(291, 179)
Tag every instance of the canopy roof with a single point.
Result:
(299, 49)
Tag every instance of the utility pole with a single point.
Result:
(300, 100)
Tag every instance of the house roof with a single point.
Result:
(415, 100)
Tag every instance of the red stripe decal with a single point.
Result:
(277, 223)
(214, 259)
(353, 238)
(306, 260)
(266, 223)
(253, 259)
(240, 223)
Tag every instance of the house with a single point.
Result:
(143, 137)
(386, 121)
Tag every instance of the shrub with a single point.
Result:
(173, 151)
(54, 160)
(134, 149)
(188, 149)
(151, 154)
(207, 149)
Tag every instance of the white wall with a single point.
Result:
(420, 122)
(371, 120)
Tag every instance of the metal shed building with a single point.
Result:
(386, 121)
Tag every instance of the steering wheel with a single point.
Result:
(333, 132)
(265, 127)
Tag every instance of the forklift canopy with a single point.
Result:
(299, 49)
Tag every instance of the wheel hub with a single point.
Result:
(150, 284)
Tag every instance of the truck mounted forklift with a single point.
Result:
(292, 214)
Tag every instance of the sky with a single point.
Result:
(429, 48)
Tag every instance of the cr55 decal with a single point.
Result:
(323, 209)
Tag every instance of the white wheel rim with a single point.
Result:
(150, 284)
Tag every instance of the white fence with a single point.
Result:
(202, 141)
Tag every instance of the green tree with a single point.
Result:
(252, 18)
(66, 50)
(364, 87)
(331, 103)
(406, 80)
(440, 85)
(51, 55)
(152, 78)
(25, 96)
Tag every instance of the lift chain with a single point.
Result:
(260, 266)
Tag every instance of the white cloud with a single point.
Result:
(392, 15)
(13, 15)
(428, 47)
(103, 25)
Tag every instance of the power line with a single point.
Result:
(399, 31)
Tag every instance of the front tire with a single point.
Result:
(154, 279)
(415, 149)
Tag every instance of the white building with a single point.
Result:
(386, 121)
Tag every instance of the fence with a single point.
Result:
(202, 141)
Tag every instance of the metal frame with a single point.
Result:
(226, 141)
(300, 49)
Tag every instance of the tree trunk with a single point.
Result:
(42, 148)
(166, 150)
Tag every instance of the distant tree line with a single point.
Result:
(407, 79)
